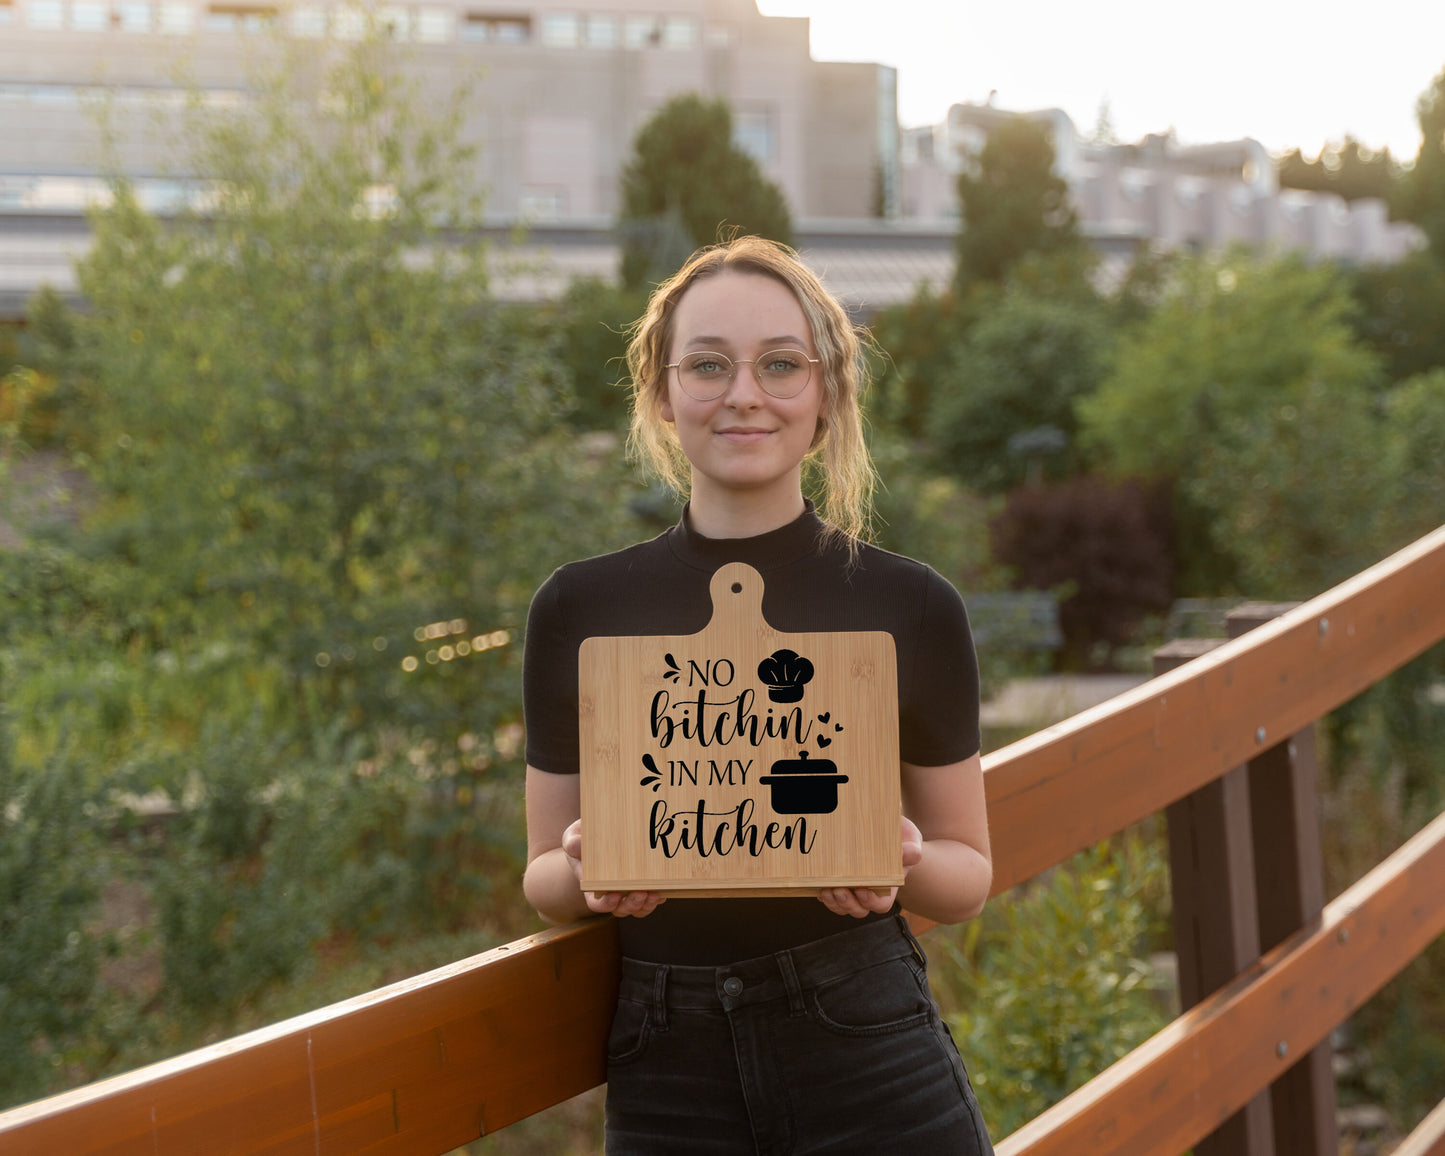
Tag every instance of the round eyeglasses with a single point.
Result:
(783, 373)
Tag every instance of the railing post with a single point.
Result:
(1289, 866)
(1216, 922)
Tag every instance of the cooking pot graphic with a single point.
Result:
(800, 787)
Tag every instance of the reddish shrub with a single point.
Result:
(1103, 546)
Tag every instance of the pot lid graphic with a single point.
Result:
(801, 787)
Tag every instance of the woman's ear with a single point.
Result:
(664, 409)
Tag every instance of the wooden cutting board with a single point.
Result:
(739, 760)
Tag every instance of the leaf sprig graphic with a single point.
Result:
(653, 779)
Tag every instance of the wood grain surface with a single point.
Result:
(740, 760)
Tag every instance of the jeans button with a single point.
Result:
(733, 985)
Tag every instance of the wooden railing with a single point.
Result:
(431, 1063)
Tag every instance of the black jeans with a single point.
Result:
(832, 1047)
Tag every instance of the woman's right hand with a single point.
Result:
(620, 903)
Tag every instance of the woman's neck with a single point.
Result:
(731, 514)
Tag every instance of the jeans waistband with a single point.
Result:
(782, 975)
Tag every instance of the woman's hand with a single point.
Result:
(861, 901)
(620, 903)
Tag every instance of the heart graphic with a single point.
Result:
(825, 716)
(837, 727)
(824, 741)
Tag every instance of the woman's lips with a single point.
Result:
(743, 435)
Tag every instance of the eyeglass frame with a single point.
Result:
(734, 362)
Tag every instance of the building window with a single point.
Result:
(602, 32)
(176, 18)
(308, 23)
(348, 23)
(238, 18)
(434, 25)
(134, 16)
(719, 35)
(754, 134)
(542, 204)
(679, 32)
(89, 15)
(642, 31)
(561, 30)
(45, 14)
(483, 27)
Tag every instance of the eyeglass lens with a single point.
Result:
(782, 373)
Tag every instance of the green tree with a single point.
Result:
(1013, 206)
(1415, 415)
(687, 185)
(1422, 192)
(589, 326)
(313, 430)
(328, 474)
(915, 344)
(1351, 169)
(1002, 412)
(1400, 313)
(1248, 388)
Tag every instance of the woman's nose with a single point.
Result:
(744, 389)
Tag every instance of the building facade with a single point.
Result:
(557, 92)
(1175, 196)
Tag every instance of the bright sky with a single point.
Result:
(1282, 71)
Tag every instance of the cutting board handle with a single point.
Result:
(737, 595)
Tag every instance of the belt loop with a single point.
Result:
(659, 998)
(912, 941)
(789, 973)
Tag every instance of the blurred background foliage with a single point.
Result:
(260, 721)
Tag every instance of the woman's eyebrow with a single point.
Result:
(709, 341)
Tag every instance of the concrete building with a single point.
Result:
(560, 88)
(1196, 197)
(558, 94)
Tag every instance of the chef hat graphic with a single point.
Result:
(785, 673)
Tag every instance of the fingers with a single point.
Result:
(572, 839)
(912, 843)
(636, 904)
(858, 902)
(620, 903)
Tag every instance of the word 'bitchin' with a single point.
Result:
(719, 723)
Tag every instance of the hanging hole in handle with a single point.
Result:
(737, 587)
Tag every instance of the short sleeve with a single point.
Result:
(938, 709)
(549, 684)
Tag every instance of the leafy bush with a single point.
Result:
(1002, 411)
(1048, 988)
(1103, 545)
(48, 957)
(328, 474)
(1249, 391)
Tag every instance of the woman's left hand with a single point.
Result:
(861, 901)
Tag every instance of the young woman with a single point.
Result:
(789, 1025)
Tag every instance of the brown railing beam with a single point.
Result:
(420, 1067)
(1077, 782)
(1290, 874)
(1174, 1089)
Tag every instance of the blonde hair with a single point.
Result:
(838, 453)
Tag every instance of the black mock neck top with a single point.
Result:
(810, 584)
